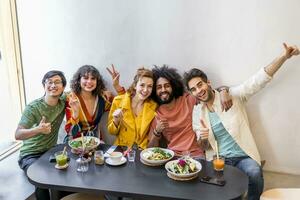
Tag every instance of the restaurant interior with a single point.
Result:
(230, 40)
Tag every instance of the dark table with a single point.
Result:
(133, 180)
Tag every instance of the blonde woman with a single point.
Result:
(131, 113)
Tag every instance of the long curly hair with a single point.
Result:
(171, 75)
(83, 71)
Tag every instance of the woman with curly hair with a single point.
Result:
(131, 113)
(86, 102)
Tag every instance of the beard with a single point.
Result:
(165, 101)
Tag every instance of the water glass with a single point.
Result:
(82, 164)
(131, 155)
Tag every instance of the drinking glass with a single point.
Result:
(82, 164)
(131, 155)
(99, 157)
(218, 163)
(61, 158)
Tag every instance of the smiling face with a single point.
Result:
(164, 90)
(200, 89)
(54, 86)
(88, 82)
(144, 88)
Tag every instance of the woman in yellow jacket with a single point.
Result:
(131, 113)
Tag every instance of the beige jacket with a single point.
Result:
(235, 120)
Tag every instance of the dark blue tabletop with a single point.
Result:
(133, 180)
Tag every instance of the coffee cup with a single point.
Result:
(116, 157)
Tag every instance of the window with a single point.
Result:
(12, 98)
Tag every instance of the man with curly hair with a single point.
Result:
(173, 121)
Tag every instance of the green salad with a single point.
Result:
(183, 166)
(88, 142)
(158, 154)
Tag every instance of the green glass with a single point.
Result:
(61, 158)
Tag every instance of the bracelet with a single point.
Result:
(157, 134)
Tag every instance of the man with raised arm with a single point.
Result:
(173, 121)
(231, 129)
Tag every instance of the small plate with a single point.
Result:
(61, 167)
(110, 162)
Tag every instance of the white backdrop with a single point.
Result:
(230, 40)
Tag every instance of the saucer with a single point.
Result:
(110, 162)
(61, 167)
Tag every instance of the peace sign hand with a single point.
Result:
(115, 75)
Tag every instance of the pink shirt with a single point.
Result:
(179, 135)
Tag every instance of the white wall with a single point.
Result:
(230, 40)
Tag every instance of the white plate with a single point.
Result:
(146, 152)
(87, 149)
(198, 166)
(110, 162)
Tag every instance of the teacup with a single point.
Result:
(61, 158)
(116, 157)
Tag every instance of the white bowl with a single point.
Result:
(116, 156)
(147, 152)
(170, 163)
(88, 148)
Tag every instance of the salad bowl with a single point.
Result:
(156, 155)
(183, 167)
(90, 143)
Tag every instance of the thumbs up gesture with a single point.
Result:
(44, 127)
(290, 50)
(204, 131)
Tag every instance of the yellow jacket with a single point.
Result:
(131, 129)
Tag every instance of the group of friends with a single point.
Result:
(160, 108)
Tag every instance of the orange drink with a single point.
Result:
(219, 163)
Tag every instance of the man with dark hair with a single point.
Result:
(231, 129)
(173, 121)
(40, 122)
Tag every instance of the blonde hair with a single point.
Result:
(141, 73)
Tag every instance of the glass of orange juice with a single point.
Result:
(218, 163)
